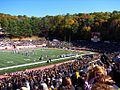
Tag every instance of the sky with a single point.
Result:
(41, 8)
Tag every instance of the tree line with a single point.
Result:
(64, 27)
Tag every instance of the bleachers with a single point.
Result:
(91, 71)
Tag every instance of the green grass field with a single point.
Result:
(9, 58)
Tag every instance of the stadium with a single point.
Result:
(51, 46)
(13, 57)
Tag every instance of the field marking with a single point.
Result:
(16, 66)
(33, 63)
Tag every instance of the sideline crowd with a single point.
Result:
(102, 46)
(97, 72)
(90, 72)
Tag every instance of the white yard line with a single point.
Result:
(16, 66)
(38, 62)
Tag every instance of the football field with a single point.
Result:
(25, 56)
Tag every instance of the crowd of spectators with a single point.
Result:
(59, 44)
(96, 72)
(53, 44)
(102, 46)
(4, 43)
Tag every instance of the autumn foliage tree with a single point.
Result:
(64, 27)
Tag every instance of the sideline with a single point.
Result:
(16, 66)
(34, 69)
(43, 67)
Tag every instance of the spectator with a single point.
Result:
(66, 84)
(99, 86)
